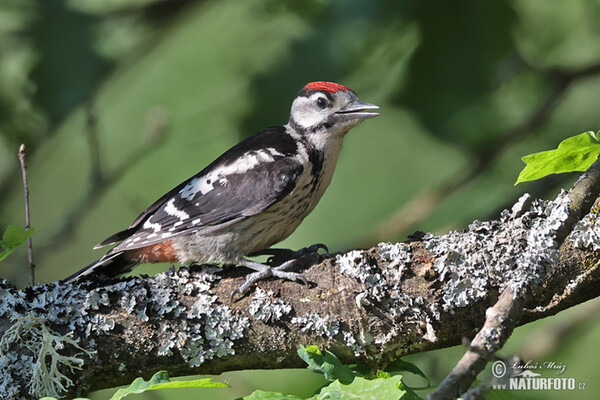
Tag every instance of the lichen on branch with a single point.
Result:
(371, 305)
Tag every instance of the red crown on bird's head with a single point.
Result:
(321, 86)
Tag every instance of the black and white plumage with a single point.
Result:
(251, 197)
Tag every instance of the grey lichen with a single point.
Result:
(382, 286)
(515, 250)
(99, 324)
(210, 330)
(40, 360)
(377, 281)
(321, 326)
(397, 254)
(352, 343)
(96, 298)
(165, 298)
(356, 264)
(267, 309)
(10, 298)
(586, 234)
(493, 338)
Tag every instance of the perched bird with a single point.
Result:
(251, 197)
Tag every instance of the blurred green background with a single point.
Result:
(118, 101)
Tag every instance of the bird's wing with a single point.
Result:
(244, 181)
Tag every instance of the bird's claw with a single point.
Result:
(277, 272)
(314, 249)
(281, 256)
(278, 264)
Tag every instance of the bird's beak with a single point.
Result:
(359, 110)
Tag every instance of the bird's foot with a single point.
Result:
(276, 272)
(281, 256)
(278, 264)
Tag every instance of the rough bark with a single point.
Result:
(371, 305)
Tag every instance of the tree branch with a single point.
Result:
(502, 317)
(370, 305)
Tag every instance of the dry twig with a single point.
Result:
(502, 318)
(27, 218)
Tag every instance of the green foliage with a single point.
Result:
(325, 363)
(14, 236)
(54, 398)
(361, 388)
(161, 380)
(576, 153)
(350, 382)
(398, 366)
(262, 395)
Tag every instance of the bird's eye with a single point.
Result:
(322, 102)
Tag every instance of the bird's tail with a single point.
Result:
(109, 266)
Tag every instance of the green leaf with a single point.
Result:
(363, 389)
(54, 398)
(161, 380)
(576, 153)
(410, 394)
(383, 374)
(399, 366)
(14, 236)
(364, 370)
(325, 363)
(262, 395)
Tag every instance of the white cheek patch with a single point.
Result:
(304, 112)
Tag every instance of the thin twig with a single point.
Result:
(27, 219)
(503, 316)
(154, 133)
(500, 322)
(91, 125)
(545, 341)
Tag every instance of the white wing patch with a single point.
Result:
(176, 212)
(245, 163)
(274, 152)
(205, 184)
(156, 227)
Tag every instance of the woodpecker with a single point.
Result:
(253, 196)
